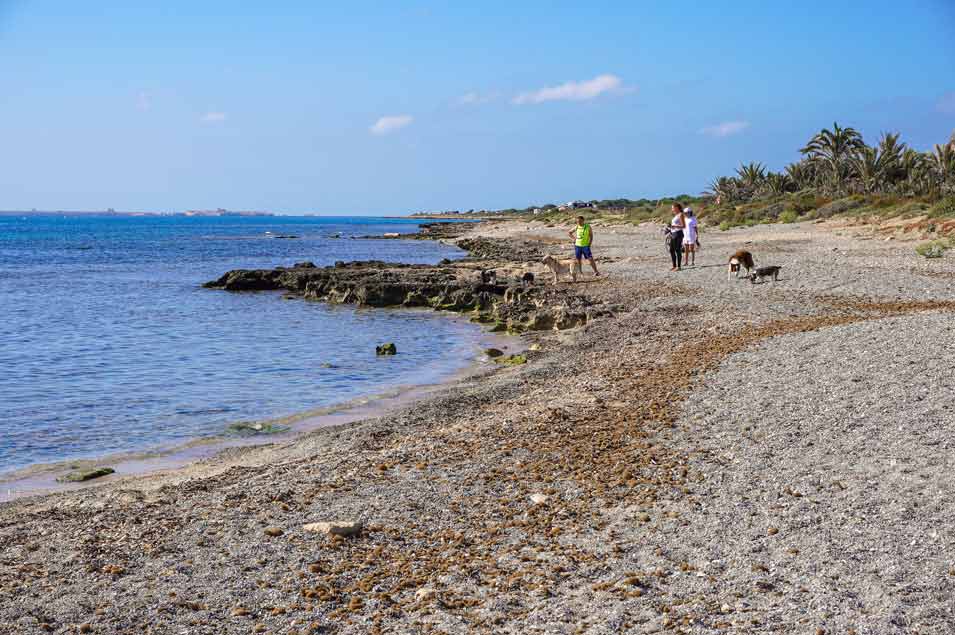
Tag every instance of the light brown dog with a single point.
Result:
(562, 267)
(740, 260)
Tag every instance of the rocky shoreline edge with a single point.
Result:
(490, 285)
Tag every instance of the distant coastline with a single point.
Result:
(114, 213)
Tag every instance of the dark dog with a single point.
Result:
(488, 276)
(765, 272)
(740, 260)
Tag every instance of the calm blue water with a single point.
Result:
(108, 343)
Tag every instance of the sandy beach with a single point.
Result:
(704, 455)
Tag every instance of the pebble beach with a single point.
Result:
(704, 455)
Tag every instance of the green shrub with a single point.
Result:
(789, 216)
(839, 206)
(725, 226)
(932, 249)
(944, 208)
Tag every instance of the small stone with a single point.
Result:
(425, 594)
(644, 518)
(335, 528)
(772, 531)
(493, 352)
(386, 349)
(85, 628)
(273, 531)
(726, 608)
(538, 498)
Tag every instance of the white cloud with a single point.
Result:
(473, 98)
(214, 117)
(571, 91)
(946, 103)
(725, 129)
(390, 123)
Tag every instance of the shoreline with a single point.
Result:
(40, 479)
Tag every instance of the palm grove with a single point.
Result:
(838, 163)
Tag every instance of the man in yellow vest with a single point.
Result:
(583, 236)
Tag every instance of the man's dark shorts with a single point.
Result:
(582, 251)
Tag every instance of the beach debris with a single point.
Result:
(386, 349)
(274, 532)
(251, 428)
(538, 498)
(78, 476)
(493, 352)
(511, 360)
(335, 528)
(425, 594)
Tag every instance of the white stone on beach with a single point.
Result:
(335, 528)
(538, 498)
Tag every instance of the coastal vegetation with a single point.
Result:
(838, 175)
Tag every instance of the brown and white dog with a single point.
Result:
(562, 267)
(740, 260)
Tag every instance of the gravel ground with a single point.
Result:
(714, 456)
(829, 457)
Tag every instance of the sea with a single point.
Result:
(110, 345)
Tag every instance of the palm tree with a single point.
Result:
(832, 149)
(751, 175)
(801, 173)
(725, 189)
(868, 168)
(778, 183)
(890, 157)
(918, 172)
(943, 161)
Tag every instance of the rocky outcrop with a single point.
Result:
(503, 300)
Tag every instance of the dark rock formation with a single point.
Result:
(386, 349)
(510, 307)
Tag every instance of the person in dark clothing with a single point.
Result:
(677, 227)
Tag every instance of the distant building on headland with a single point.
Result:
(223, 212)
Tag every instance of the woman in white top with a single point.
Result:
(690, 238)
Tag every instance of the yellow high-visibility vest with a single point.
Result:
(583, 235)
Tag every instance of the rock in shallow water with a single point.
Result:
(386, 349)
(85, 475)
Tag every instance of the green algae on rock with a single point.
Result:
(78, 476)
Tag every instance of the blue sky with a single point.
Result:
(373, 108)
